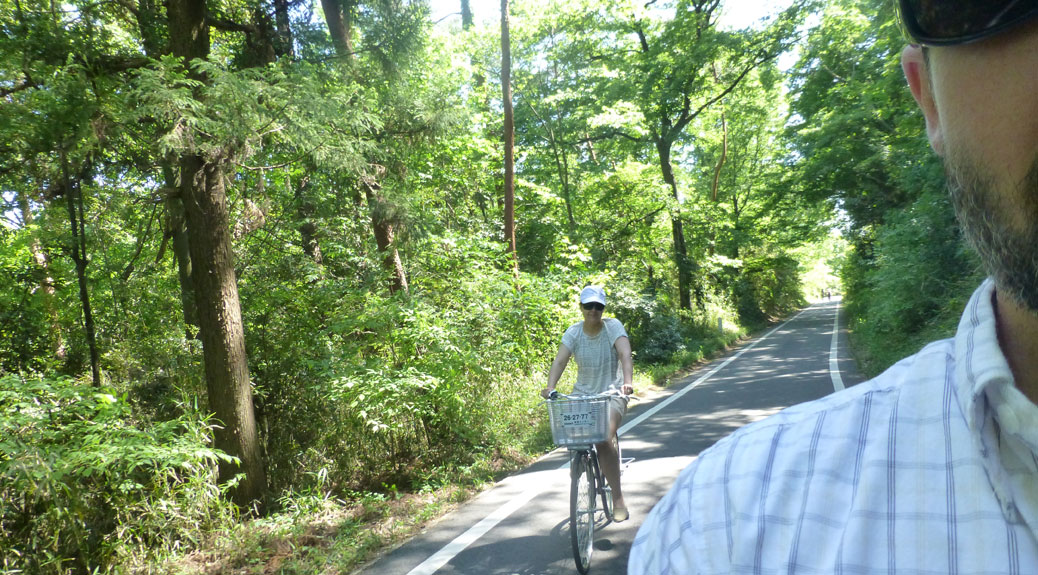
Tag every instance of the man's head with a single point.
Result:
(978, 90)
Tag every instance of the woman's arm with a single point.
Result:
(557, 367)
(623, 351)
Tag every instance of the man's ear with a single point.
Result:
(914, 64)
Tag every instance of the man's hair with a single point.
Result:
(926, 64)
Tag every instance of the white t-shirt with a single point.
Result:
(598, 367)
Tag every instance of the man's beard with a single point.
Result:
(987, 214)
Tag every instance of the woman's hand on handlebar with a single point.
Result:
(547, 393)
(627, 389)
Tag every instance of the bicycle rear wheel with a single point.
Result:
(582, 509)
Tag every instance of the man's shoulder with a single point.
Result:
(804, 464)
(908, 384)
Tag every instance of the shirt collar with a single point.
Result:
(1003, 422)
(980, 366)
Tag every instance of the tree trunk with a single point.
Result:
(221, 330)
(39, 255)
(341, 31)
(260, 44)
(176, 230)
(148, 14)
(715, 189)
(724, 154)
(74, 200)
(562, 166)
(384, 239)
(509, 136)
(305, 210)
(466, 15)
(216, 289)
(677, 227)
(466, 24)
(338, 14)
(284, 43)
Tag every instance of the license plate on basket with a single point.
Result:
(578, 419)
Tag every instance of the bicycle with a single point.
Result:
(578, 422)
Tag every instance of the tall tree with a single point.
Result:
(859, 144)
(850, 112)
(73, 192)
(153, 31)
(508, 135)
(46, 279)
(341, 16)
(750, 210)
(685, 66)
(466, 15)
(219, 312)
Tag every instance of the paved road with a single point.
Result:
(520, 527)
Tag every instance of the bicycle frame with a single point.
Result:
(587, 486)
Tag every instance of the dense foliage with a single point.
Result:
(84, 483)
(389, 343)
(863, 146)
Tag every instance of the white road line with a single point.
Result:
(452, 549)
(449, 551)
(834, 360)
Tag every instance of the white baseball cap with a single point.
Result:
(592, 294)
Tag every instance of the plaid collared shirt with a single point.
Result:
(932, 467)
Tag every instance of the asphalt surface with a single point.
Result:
(520, 527)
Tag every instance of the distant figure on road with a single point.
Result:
(932, 467)
(603, 354)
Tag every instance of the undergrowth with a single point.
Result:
(376, 421)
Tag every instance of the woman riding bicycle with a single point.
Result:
(603, 354)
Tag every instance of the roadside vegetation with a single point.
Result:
(270, 302)
(908, 273)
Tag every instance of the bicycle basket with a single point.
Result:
(579, 420)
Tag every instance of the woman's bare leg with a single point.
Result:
(609, 459)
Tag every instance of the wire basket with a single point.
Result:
(579, 420)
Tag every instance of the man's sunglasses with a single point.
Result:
(593, 305)
(950, 22)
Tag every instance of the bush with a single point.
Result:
(768, 288)
(665, 342)
(913, 287)
(82, 488)
(654, 330)
(381, 389)
(25, 343)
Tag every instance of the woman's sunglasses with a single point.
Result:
(593, 305)
(950, 22)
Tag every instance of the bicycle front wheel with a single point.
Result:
(582, 509)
